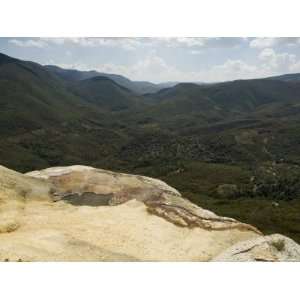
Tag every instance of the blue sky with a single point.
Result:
(164, 59)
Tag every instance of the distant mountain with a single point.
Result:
(211, 103)
(248, 95)
(105, 93)
(169, 84)
(71, 74)
(287, 77)
(32, 97)
(42, 117)
(139, 87)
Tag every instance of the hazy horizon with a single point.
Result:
(164, 59)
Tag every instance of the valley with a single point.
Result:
(230, 147)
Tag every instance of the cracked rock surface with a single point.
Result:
(80, 213)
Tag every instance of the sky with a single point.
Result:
(164, 59)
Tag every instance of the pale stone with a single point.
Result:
(80, 213)
(275, 247)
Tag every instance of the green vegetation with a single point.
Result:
(232, 147)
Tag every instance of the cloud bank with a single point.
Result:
(169, 58)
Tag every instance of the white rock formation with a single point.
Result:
(80, 213)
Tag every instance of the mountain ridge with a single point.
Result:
(139, 87)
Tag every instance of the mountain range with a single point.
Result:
(231, 147)
(138, 87)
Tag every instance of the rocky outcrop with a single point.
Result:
(80, 213)
(270, 248)
(81, 185)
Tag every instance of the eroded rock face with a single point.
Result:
(80, 213)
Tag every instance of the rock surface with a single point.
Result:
(275, 247)
(80, 213)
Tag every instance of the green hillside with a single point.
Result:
(105, 93)
(232, 147)
(138, 87)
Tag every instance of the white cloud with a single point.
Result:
(152, 66)
(268, 42)
(28, 43)
(191, 42)
(56, 41)
(274, 61)
(233, 69)
(200, 42)
(295, 68)
(196, 52)
(157, 69)
(132, 43)
(269, 60)
(124, 43)
(261, 43)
